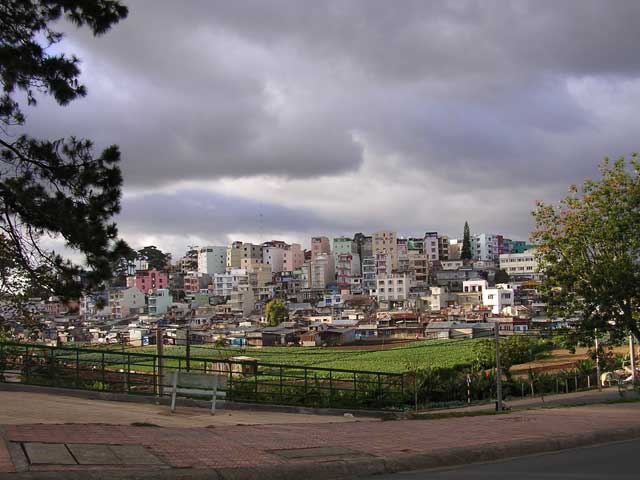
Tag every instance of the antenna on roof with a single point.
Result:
(260, 224)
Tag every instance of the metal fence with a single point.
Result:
(246, 381)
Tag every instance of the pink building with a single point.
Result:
(144, 280)
(293, 257)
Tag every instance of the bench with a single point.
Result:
(197, 385)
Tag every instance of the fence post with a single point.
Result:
(281, 397)
(155, 378)
(27, 364)
(589, 381)
(128, 372)
(330, 388)
(575, 378)
(103, 375)
(230, 386)
(306, 385)
(355, 387)
(77, 368)
(255, 388)
(379, 388)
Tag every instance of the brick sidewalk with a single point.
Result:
(261, 445)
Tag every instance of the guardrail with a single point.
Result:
(247, 381)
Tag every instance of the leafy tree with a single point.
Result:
(276, 312)
(589, 251)
(501, 276)
(52, 188)
(466, 243)
(155, 258)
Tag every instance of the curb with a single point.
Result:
(364, 466)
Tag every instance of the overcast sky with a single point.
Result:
(333, 117)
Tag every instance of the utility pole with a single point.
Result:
(498, 369)
(632, 353)
(598, 372)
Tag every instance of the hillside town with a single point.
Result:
(361, 289)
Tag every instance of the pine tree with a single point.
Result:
(55, 188)
(466, 243)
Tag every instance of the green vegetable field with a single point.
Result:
(434, 353)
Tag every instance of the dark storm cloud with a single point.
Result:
(478, 93)
(212, 215)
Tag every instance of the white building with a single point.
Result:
(160, 301)
(497, 298)
(322, 270)
(520, 266)
(224, 283)
(212, 259)
(485, 246)
(392, 287)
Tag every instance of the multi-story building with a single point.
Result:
(455, 249)
(383, 263)
(194, 282)
(242, 301)
(224, 283)
(347, 267)
(443, 247)
(259, 275)
(431, 246)
(188, 263)
(386, 242)
(234, 255)
(252, 251)
(160, 301)
(519, 246)
(322, 271)
(273, 255)
(392, 287)
(368, 274)
(485, 246)
(419, 267)
(125, 301)
(416, 245)
(520, 266)
(363, 245)
(144, 280)
(212, 259)
(496, 298)
(319, 246)
(293, 257)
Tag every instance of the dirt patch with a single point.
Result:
(558, 360)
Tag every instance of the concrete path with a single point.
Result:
(25, 408)
(295, 450)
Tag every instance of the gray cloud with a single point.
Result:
(480, 95)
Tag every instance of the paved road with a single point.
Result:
(620, 461)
